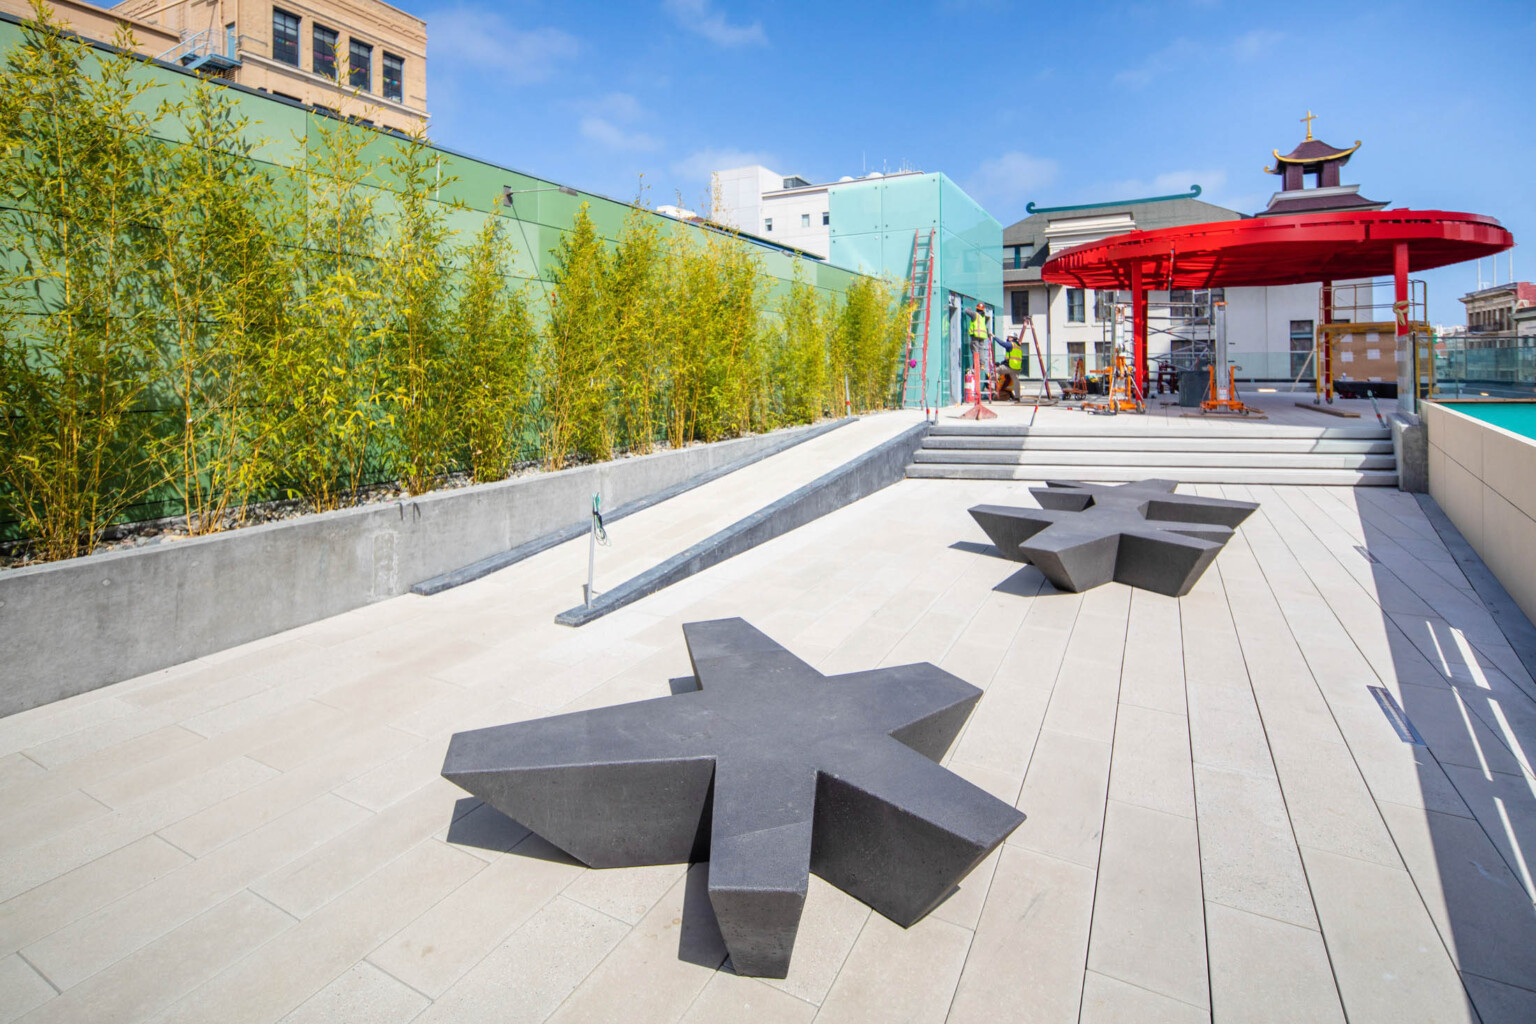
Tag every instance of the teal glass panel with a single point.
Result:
(862, 252)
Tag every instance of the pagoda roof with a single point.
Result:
(1312, 151)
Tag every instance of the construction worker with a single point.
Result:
(1012, 367)
(976, 338)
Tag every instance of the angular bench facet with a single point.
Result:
(771, 771)
(1141, 534)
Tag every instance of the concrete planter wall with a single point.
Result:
(69, 627)
(1484, 478)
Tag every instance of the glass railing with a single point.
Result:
(1491, 366)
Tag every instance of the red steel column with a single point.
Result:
(1407, 375)
(1139, 327)
(1324, 369)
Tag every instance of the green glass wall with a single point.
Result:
(874, 224)
(287, 133)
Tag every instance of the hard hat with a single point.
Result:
(981, 306)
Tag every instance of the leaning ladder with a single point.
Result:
(919, 301)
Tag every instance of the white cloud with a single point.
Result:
(1211, 182)
(1009, 180)
(1251, 45)
(700, 165)
(473, 39)
(606, 133)
(699, 17)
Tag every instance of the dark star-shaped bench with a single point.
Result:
(1141, 534)
(771, 771)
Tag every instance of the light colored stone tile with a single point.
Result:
(1108, 1000)
(1483, 913)
(1329, 804)
(438, 948)
(363, 995)
(829, 926)
(524, 979)
(1150, 766)
(1386, 954)
(1026, 961)
(1148, 915)
(656, 971)
(1063, 798)
(1248, 856)
(625, 893)
(19, 768)
(1264, 971)
(160, 973)
(41, 911)
(339, 864)
(282, 975)
(895, 973)
(21, 988)
(344, 758)
(1498, 1003)
(730, 998)
(102, 938)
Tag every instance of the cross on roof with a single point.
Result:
(1309, 119)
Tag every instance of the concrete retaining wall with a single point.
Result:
(1484, 478)
(69, 627)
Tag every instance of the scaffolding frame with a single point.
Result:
(1353, 308)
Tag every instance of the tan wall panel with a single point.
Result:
(1509, 549)
(1509, 467)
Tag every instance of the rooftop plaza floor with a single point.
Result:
(1222, 822)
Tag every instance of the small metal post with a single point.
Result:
(587, 590)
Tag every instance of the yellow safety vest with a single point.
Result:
(1016, 358)
(978, 326)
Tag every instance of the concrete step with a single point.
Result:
(1120, 443)
(1187, 475)
(1165, 460)
(1138, 427)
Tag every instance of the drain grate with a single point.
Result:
(1395, 714)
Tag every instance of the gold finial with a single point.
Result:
(1309, 119)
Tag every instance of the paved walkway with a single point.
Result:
(1222, 821)
(1277, 408)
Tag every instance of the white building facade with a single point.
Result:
(783, 208)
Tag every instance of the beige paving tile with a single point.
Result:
(18, 767)
(1026, 961)
(346, 757)
(730, 998)
(363, 995)
(1483, 913)
(285, 973)
(1498, 1003)
(1150, 766)
(1154, 664)
(160, 973)
(1386, 954)
(1248, 856)
(441, 946)
(1329, 804)
(1108, 999)
(656, 971)
(102, 938)
(829, 926)
(1264, 971)
(627, 894)
(21, 988)
(1063, 798)
(524, 979)
(1148, 915)
(41, 911)
(897, 974)
(330, 869)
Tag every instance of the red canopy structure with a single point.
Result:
(1277, 250)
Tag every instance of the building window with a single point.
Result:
(231, 40)
(1020, 301)
(360, 66)
(1075, 305)
(325, 52)
(1301, 346)
(826, 218)
(1103, 306)
(767, 224)
(394, 78)
(285, 36)
(805, 220)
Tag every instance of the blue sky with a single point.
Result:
(1074, 101)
